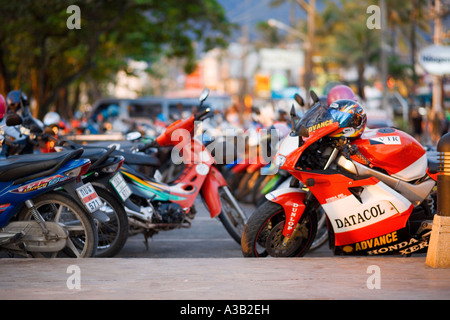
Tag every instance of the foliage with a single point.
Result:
(40, 55)
(343, 38)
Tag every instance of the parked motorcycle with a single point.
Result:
(112, 190)
(28, 134)
(374, 185)
(39, 216)
(155, 206)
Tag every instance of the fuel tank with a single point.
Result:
(394, 151)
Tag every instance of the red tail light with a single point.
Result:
(114, 167)
(79, 171)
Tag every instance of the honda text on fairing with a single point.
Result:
(374, 186)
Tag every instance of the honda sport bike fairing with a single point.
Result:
(374, 186)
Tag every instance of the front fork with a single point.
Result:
(293, 202)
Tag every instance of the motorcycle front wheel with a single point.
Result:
(262, 235)
(61, 208)
(232, 216)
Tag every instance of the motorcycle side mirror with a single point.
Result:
(299, 100)
(303, 132)
(13, 120)
(293, 115)
(204, 95)
(135, 135)
(314, 96)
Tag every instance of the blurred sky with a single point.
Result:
(253, 11)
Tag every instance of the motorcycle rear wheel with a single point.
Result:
(113, 234)
(61, 208)
(262, 235)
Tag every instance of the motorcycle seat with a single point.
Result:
(93, 154)
(22, 166)
(138, 159)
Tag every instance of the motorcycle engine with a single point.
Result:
(168, 213)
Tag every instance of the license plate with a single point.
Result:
(89, 197)
(119, 183)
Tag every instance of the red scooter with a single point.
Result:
(374, 185)
(155, 206)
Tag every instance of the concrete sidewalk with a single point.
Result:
(223, 279)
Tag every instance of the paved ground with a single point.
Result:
(204, 263)
(223, 278)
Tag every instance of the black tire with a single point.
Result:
(262, 235)
(113, 234)
(322, 231)
(83, 237)
(229, 216)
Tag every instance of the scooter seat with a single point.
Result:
(19, 166)
(93, 154)
(138, 159)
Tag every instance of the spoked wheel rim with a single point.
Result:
(61, 213)
(107, 231)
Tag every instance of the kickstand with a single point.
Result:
(146, 242)
(148, 234)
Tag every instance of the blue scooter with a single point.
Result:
(45, 209)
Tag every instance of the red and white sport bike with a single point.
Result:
(374, 186)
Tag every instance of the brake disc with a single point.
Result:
(274, 241)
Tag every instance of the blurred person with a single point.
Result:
(417, 123)
(445, 125)
(436, 126)
(232, 116)
(283, 117)
(267, 115)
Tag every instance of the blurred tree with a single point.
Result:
(46, 59)
(268, 36)
(345, 37)
(407, 21)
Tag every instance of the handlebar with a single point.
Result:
(166, 137)
(200, 115)
(151, 144)
(349, 150)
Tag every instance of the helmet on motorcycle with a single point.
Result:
(351, 117)
(51, 118)
(16, 99)
(340, 92)
(2, 107)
